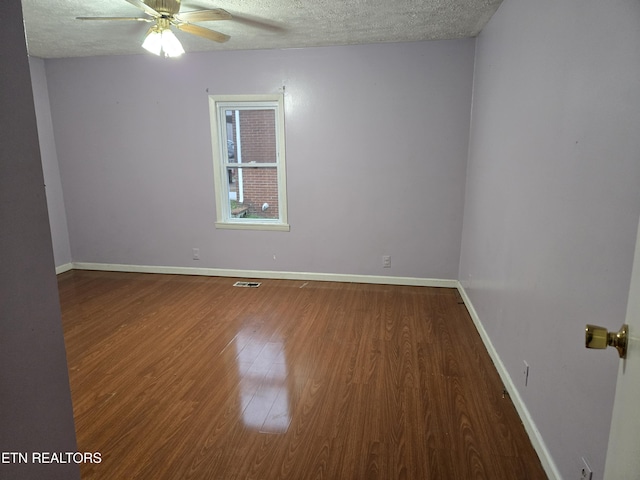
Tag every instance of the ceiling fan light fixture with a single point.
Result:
(170, 44)
(162, 40)
(153, 42)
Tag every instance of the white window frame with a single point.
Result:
(218, 104)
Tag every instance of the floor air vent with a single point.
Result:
(247, 284)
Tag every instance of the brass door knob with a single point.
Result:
(599, 337)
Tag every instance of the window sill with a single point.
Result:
(281, 227)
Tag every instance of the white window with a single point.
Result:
(247, 133)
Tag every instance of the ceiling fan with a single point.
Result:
(164, 13)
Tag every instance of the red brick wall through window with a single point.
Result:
(257, 145)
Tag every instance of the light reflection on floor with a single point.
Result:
(263, 383)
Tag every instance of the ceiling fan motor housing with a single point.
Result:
(165, 7)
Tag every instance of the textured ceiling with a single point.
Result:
(53, 31)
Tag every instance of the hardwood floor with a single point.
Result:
(185, 377)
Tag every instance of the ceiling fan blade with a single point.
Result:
(137, 19)
(204, 15)
(144, 7)
(248, 20)
(203, 32)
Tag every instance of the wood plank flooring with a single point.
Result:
(186, 377)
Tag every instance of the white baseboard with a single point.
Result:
(534, 434)
(64, 268)
(306, 276)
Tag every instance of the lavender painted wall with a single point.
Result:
(376, 141)
(35, 401)
(552, 205)
(53, 184)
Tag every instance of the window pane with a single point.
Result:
(251, 136)
(253, 192)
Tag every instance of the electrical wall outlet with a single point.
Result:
(525, 372)
(585, 473)
(196, 254)
(386, 261)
